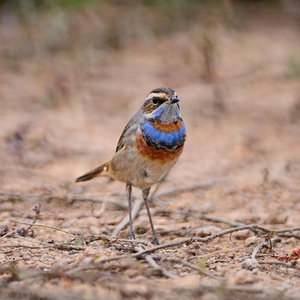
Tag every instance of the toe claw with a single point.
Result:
(155, 241)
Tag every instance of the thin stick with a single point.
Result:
(102, 209)
(155, 266)
(33, 241)
(278, 262)
(21, 246)
(261, 245)
(192, 266)
(230, 291)
(113, 239)
(7, 234)
(214, 253)
(221, 233)
(149, 250)
(192, 188)
(83, 198)
(252, 227)
(296, 236)
(41, 225)
(217, 220)
(136, 207)
(61, 247)
(292, 229)
(201, 216)
(37, 213)
(4, 197)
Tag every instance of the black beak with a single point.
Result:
(173, 100)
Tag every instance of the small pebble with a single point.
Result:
(46, 256)
(250, 264)
(89, 251)
(292, 271)
(66, 225)
(251, 240)
(72, 252)
(243, 234)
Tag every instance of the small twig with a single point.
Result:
(49, 245)
(41, 225)
(136, 207)
(288, 235)
(87, 198)
(252, 263)
(33, 241)
(265, 244)
(253, 227)
(278, 262)
(214, 253)
(65, 243)
(24, 197)
(4, 197)
(21, 246)
(7, 234)
(37, 210)
(113, 239)
(102, 209)
(201, 216)
(193, 240)
(257, 248)
(142, 242)
(256, 228)
(158, 185)
(149, 250)
(192, 266)
(231, 291)
(70, 273)
(155, 266)
(221, 233)
(292, 229)
(69, 247)
(192, 188)
(217, 220)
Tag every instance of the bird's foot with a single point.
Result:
(155, 241)
(131, 234)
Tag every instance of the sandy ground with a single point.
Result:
(62, 115)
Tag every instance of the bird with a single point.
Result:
(150, 145)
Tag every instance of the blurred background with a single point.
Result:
(73, 72)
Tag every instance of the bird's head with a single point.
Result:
(161, 105)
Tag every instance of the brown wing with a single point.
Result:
(120, 144)
(129, 129)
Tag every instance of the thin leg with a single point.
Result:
(154, 239)
(128, 194)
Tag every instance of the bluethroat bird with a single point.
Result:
(148, 148)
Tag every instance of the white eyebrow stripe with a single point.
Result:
(159, 95)
(150, 96)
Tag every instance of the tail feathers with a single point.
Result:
(100, 171)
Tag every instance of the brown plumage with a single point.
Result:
(100, 171)
(149, 146)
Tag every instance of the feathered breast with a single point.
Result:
(166, 137)
(162, 142)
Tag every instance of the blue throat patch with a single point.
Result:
(163, 140)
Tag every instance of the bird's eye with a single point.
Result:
(155, 100)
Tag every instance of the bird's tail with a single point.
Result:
(103, 170)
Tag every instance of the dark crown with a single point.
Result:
(164, 90)
(157, 97)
